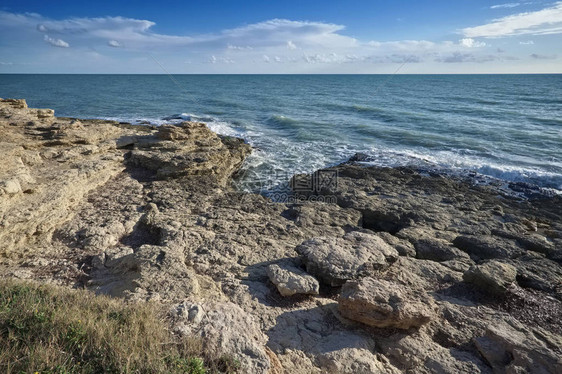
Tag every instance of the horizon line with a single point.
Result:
(165, 74)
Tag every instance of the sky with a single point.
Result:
(281, 37)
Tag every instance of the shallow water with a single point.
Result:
(503, 126)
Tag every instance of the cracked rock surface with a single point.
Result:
(149, 213)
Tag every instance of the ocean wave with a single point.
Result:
(546, 121)
(368, 109)
(215, 124)
(541, 100)
(463, 163)
(280, 120)
(307, 148)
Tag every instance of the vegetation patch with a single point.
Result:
(47, 329)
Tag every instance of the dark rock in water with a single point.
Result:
(359, 157)
(523, 187)
(172, 117)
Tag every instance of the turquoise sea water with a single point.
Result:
(502, 126)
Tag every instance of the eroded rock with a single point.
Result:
(383, 303)
(492, 276)
(336, 260)
(190, 149)
(170, 229)
(227, 329)
(509, 347)
(290, 280)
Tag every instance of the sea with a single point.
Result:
(498, 128)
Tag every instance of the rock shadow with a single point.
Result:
(260, 287)
(142, 234)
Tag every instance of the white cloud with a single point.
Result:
(529, 42)
(459, 57)
(215, 60)
(274, 46)
(330, 58)
(543, 57)
(56, 42)
(238, 48)
(276, 32)
(471, 43)
(541, 22)
(506, 5)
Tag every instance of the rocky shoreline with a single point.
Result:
(373, 270)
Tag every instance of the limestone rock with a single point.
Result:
(492, 276)
(404, 247)
(382, 303)
(148, 213)
(45, 113)
(16, 103)
(188, 312)
(190, 149)
(425, 274)
(346, 354)
(438, 250)
(290, 280)
(336, 260)
(509, 347)
(227, 329)
(486, 247)
(419, 353)
(10, 187)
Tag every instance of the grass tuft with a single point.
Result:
(47, 329)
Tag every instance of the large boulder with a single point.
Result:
(190, 149)
(493, 276)
(383, 303)
(336, 260)
(290, 280)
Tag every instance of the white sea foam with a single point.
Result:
(276, 158)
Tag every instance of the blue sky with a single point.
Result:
(461, 36)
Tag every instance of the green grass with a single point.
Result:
(47, 329)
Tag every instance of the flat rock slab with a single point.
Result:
(336, 260)
(291, 280)
(438, 250)
(487, 247)
(382, 303)
(510, 347)
(493, 276)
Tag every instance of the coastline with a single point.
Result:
(437, 274)
(501, 127)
